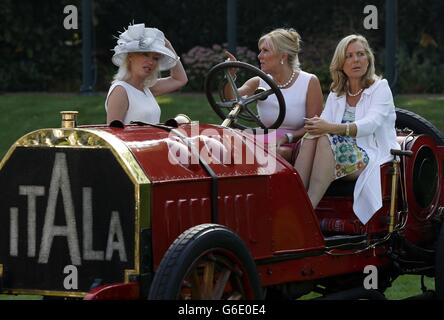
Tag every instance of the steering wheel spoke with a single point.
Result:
(254, 117)
(232, 84)
(258, 96)
(226, 104)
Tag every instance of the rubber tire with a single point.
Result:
(439, 266)
(188, 247)
(418, 124)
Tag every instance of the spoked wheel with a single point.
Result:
(213, 276)
(206, 262)
(240, 111)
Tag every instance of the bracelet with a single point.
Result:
(290, 137)
(347, 129)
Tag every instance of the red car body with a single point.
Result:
(294, 248)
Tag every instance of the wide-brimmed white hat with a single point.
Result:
(140, 39)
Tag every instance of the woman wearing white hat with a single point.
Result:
(141, 53)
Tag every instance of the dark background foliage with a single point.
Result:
(38, 54)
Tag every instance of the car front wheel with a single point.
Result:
(206, 262)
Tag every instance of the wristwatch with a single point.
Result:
(290, 137)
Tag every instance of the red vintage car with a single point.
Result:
(203, 211)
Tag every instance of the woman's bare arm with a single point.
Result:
(117, 105)
(177, 79)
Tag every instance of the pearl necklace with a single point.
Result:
(280, 86)
(356, 94)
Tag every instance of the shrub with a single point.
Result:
(420, 72)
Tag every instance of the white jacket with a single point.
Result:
(375, 120)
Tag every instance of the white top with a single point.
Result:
(375, 120)
(349, 113)
(142, 106)
(295, 97)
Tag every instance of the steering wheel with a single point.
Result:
(238, 107)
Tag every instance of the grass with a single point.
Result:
(403, 287)
(408, 285)
(22, 113)
(430, 107)
(19, 297)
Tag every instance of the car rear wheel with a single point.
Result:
(423, 169)
(206, 262)
(419, 125)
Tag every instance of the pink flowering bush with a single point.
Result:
(199, 60)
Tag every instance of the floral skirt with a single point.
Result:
(348, 156)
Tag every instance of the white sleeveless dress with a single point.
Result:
(142, 106)
(295, 98)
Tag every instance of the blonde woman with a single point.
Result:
(141, 53)
(355, 132)
(279, 58)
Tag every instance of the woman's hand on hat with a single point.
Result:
(170, 46)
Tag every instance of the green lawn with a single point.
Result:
(402, 287)
(21, 113)
(430, 107)
(409, 285)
